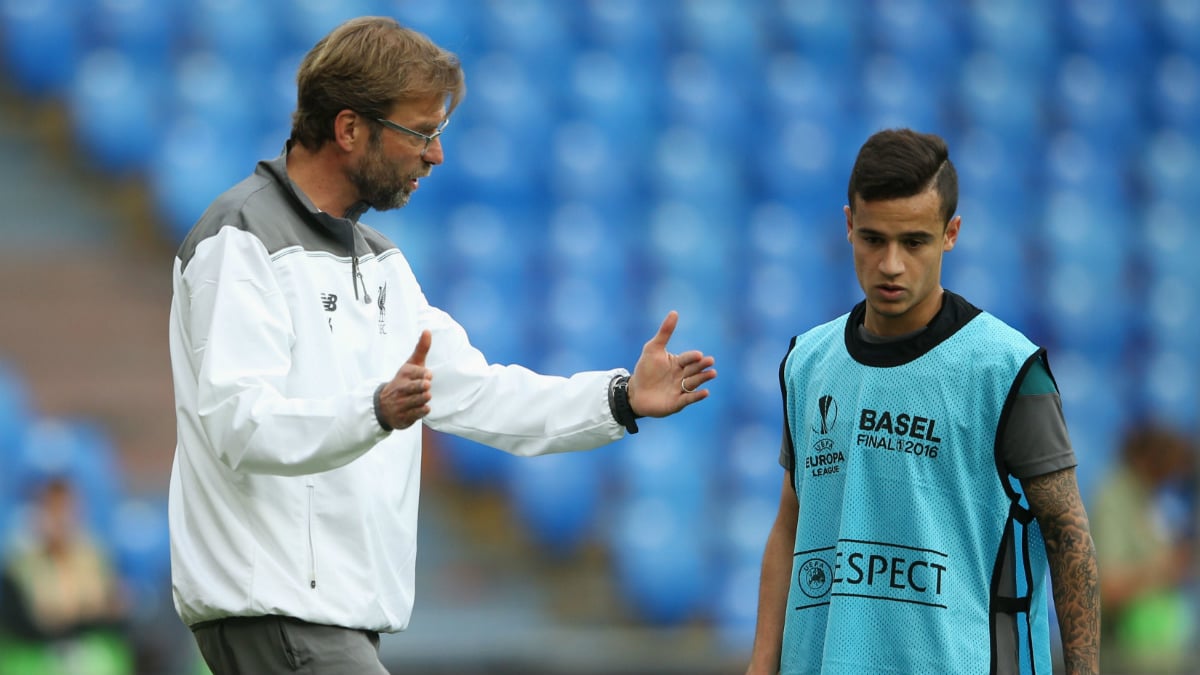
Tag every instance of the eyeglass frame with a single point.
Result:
(403, 129)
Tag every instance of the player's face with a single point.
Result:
(391, 167)
(898, 246)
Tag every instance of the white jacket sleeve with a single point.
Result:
(238, 334)
(511, 407)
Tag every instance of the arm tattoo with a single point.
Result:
(1054, 499)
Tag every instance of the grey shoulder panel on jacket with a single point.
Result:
(262, 206)
(377, 242)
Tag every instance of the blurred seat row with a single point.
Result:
(35, 449)
(615, 159)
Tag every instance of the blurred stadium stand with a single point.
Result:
(614, 160)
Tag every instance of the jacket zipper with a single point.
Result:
(312, 552)
(356, 276)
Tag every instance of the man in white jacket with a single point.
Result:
(305, 356)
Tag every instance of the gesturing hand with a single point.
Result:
(405, 399)
(664, 383)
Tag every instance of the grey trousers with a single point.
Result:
(267, 645)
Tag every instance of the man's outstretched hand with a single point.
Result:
(664, 383)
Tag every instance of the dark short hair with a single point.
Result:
(368, 65)
(899, 163)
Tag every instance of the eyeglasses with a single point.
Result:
(403, 129)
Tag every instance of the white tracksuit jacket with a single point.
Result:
(286, 495)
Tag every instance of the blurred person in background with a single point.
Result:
(300, 395)
(61, 607)
(1147, 564)
(929, 479)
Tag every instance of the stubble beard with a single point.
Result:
(377, 181)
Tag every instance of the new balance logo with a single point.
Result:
(329, 300)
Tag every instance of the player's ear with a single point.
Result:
(849, 221)
(348, 129)
(950, 237)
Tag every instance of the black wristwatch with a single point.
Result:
(618, 403)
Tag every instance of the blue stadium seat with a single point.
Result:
(42, 43)
(920, 33)
(544, 51)
(744, 528)
(617, 93)
(901, 93)
(505, 95)
(830, 32)
(995, 97)
(798, 83)
(497, 170)
(990, 269)
(629, 27)
(1178, 21)
(1163, 224)
(585, 238)
(662, 561)
(206, 85)
(675, 463)
(79, 452)
(1081, 229)
(1098, 400)
(1172, 311)
(16, 410)
(702, 92)
(193, 164)
(797, 270)
(1098, 103)
(753, 378)
(116, 105)
(416, 230)
(1170, 168)
(1112, 31)
(141, 547)
(237, 31)
(474, 464)
(558, 498)
(1089, 312)
(998, 176)
(145, 31)
(446, 23)
(1175, 94)
(586, 163)
(277, 97)
(746, 521)
(1020, 32)
(752, 465)
(495, 311)
(487, 240)
(97, 470)
(16, 415)
(728, 30)
(782, 299)
(1084, 163)
(578, 316)
(690, 243)
(736, 605)
(688, 164)
(304, 22)
(806, 165)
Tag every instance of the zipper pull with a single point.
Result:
(354, 276)
(366, 295)
(356, 273)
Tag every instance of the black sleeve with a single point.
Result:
(1035, 441)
